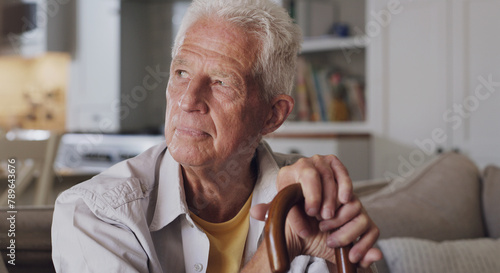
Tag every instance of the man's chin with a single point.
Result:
(187, 155)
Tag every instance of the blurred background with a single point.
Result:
(384, 85)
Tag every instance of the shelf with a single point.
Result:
(323, 128)
(325, 43)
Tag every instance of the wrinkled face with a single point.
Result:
(213, 104)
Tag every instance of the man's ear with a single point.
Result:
(281, 107)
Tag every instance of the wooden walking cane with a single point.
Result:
(274, 232)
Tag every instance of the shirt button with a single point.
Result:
(198, 267)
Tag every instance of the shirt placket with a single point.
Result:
(196, 247)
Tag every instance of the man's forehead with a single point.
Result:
(194, 53)
(188, 57)
(221, 36)
(230, 70)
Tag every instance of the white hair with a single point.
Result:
(279, 37)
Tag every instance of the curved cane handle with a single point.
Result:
(274, 232)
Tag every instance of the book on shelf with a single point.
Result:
(327, 94)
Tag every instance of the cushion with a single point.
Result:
(419, 255)
(491, 200)
(441, 201)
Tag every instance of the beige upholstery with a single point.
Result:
(411, 255)
(444, 218)
(491, 200)
(441, 202)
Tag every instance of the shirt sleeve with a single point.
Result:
(83, 242)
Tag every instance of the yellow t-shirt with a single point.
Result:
(227, 240)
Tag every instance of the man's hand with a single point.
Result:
(351, 222)
(325, 182)
(333, 216)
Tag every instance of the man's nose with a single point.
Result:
(193, 98)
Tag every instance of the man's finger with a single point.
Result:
(305, 173)
(343, 180)
(343, 215)
(363, 245)
(329, 192)
(312, 190)
(373, 255)
(349, 232)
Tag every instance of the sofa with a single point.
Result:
(32, 240)
(443, 218)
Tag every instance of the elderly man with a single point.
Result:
(184, 206)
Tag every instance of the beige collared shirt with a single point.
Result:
(134, 218)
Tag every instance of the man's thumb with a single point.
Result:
(259, 211)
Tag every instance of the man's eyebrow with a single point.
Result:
(233, 77)
(180, 61)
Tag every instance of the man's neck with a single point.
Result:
(218, 196)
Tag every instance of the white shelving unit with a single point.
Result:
(327, 43)
(324, 128)
(324, 45)
(348, 140)
(316, 18)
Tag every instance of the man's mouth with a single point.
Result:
(190, 132)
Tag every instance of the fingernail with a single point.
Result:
(332, 242)
(357, 257)
(327, 213)
(312, 212)
(346, 197)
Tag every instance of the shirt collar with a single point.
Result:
(171, 200)
(264, 191)
(265, 187)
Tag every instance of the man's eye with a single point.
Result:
(183, 74)
(221, 83)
